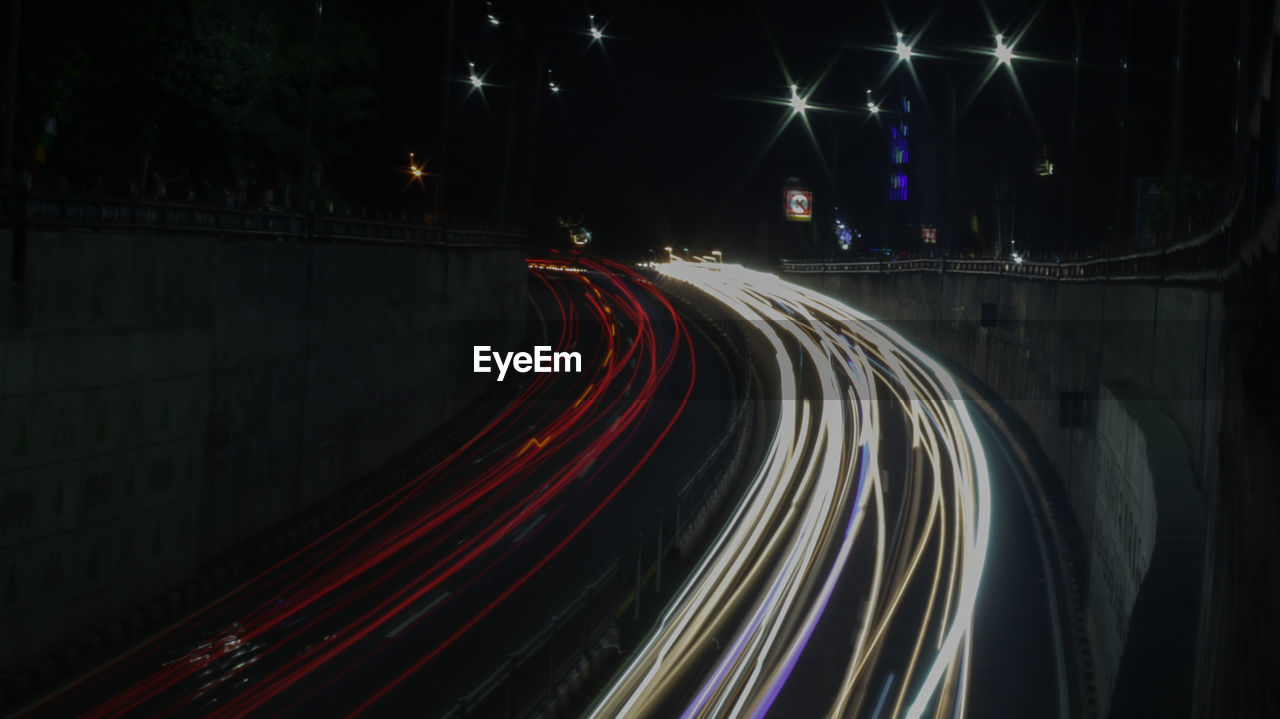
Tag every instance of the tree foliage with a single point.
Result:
(201, 88)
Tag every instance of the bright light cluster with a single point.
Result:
(798, 103)
(1004, 53)
(903, 49)
(732, 636)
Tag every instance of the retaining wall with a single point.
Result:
(1147, 360)
(163, 398)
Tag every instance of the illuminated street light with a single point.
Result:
(1004, 53)
(871, 106)
(475, 79)
(595, 31)
(903, 49)
(798, 103)
(413, 167)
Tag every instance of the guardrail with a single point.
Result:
(105, 214)
(1204, 258)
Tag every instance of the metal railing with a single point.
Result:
(48, 211)
(1204, 258)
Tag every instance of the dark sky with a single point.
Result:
(666, 127)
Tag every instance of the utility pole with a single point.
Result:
(311, 102)
(951, 168)
(1126, 37)
(445, 112)
(1079, 15)
(11, 93)
(1175, 129)
(539, 81)
(509, 150)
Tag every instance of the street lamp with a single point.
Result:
(1003, 52)
(872, 107)
(476, 82)
(903, 49)
(596, 33)
(798, 103)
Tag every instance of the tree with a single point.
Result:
(201, 88)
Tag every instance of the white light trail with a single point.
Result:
(763, 586)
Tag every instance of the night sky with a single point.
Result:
(665, 128)
(675, 129)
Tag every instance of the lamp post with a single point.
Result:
(311, 102)
(905, 52)
(541, 82)
(11, 93)
(1078, 15)
(1175, 130)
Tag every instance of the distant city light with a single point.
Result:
(493, 20)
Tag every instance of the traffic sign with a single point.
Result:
(799, 205)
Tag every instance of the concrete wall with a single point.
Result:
(1147, 359)
(1239, 643)
(162, 398)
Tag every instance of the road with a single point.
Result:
(846, 582)
(404, 607)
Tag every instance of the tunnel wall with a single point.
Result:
(1148, 364)
(163, 398)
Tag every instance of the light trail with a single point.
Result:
(732, 636)
(433, 544)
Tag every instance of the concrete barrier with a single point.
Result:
(1035, 343)
(165, 398)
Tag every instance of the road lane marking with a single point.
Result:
(416, 616)
(529, 528)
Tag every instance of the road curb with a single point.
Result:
(1067, 547)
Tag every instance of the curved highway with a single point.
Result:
(820, 515)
